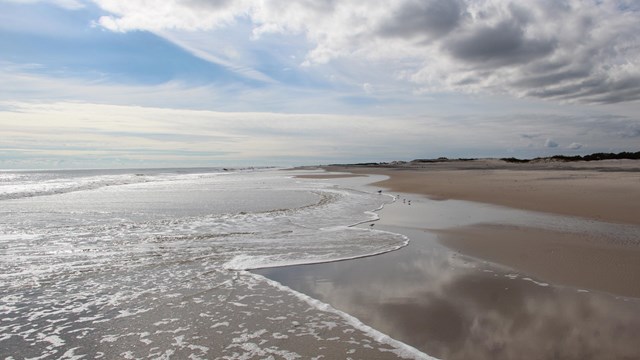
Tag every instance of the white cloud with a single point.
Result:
(156, 15)
(217, 49)
(575, 50)
(575, 146)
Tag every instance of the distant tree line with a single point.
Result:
(592, 157)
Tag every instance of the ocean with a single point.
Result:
(153, 264)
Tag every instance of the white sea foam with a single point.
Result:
(99, 255)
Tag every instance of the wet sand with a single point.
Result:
(578, 260)
(455, 307)
(574, 257)
(602, 190)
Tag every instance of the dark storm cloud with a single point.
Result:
(566, 51)
(541, 79)
(423, 19)
(616, 91)
(502, 44)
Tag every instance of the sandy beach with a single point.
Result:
(602, 191)
(486, 281)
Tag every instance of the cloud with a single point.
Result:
(90, 133)
(502, 44)
(94, 132)
(529, 136)
(423, 19)
(156, 15)
(575, 51)
(569, 51)
(633, 132)
(217, 52)
(575, 146)
(579, 52)
(379, 69)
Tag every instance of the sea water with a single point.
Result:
(150, 263)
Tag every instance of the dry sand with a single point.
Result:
(606, 191)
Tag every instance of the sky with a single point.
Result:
(165, 83)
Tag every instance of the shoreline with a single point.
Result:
(604, 191)
(604, 261)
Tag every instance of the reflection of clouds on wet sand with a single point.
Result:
(608, 263)
(442, 303)
(481, 317)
